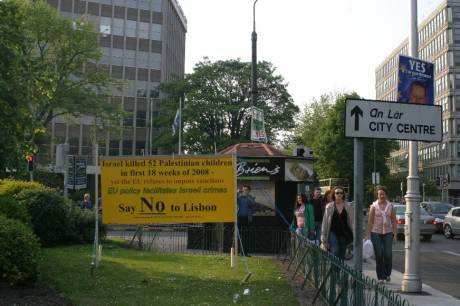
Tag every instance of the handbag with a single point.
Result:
(368, 249)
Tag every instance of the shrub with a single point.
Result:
(13, 187)
(19, 252)
(85, 224)
(77, 195)
(51, 218)
(14, 209)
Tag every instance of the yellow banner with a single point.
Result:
(158, 189)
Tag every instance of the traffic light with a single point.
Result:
(30, 163)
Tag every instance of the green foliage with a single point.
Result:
(48, 179)
(216, 111)
(13, 68)
(51, 218)
(13, 187)
(19, 252)
(312, 118)
(41, 75)
(324, 131)
(13, 209)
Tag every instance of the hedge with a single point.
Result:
(19, 252)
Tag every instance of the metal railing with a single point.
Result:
(202, 239)
(336, 282)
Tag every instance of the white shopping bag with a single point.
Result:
(368, 249)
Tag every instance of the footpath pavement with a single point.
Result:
(428, 297)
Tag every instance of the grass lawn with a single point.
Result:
(132, 277)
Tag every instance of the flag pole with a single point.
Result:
(180, 126)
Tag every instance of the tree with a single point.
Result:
(52, 70)
(311, 119)
(217, 104)
(13, 108)
(334, 152)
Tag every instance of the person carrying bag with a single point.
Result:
(381, 229)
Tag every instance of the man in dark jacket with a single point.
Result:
(319, 203)
(245, 202)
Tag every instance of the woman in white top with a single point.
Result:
(381, 228)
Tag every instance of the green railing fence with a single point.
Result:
(336, 282)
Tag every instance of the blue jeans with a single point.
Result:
(383, 247)
(318, 232)
(338, 245)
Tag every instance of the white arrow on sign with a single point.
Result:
(393, 120)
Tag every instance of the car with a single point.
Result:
(427, 223)
(452, 223)
(438, 210)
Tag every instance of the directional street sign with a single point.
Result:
(392, 120)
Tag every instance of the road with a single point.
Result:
(439, 263)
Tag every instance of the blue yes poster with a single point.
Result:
(415, 81)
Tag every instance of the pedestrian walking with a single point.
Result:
(337, 226)
(303, 222)
(381, 228)
(86, 202)
(319, 204)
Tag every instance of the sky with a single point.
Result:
(317, 46)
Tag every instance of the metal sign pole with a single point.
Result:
(235, 234)
(358, 197)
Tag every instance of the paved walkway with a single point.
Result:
(430, 296)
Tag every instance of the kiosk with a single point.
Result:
(275, 180)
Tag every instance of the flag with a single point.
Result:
(175, 124)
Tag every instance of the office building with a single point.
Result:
(143, 43)
(439, 43)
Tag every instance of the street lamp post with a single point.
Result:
(412, 281)
(254, 57)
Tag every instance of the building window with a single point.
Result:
(141, 93)
(456, 35)
(456, 13)
(140, 148)
(141, 118)
(445, 126)
(127, 147)
(93, 8)
(66, 6)
(114, 147)
(154, 93)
